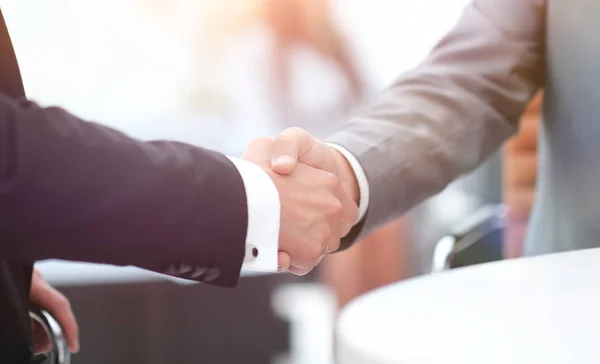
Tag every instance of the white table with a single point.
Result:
(543, 309)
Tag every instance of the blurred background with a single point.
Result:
(218, 73)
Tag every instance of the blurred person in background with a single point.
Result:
(284, 63)
(520, 172)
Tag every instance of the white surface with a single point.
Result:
(62, 273)
(532, 310)
(311, 309)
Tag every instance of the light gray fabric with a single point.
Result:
(445, 117)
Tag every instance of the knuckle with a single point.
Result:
(330, 180)
(307, 221)
(335, 207)
(326, 232)
(316, 252)
(294, 130)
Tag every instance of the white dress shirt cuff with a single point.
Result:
(262, 237)
(361, 178)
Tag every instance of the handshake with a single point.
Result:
(318, 193)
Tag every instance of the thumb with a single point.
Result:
(51, 300)
(295, 145)
(287, 148)
(283, 261)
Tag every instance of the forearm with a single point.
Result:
(446, 116)
(520, 167)
(79, 191)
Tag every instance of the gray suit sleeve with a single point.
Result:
(450, 113)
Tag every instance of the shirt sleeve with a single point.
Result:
(262, 238)
(361, 178)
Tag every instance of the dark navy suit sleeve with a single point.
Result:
(76, 190)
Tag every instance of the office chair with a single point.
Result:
(59, 352)
(474, 240)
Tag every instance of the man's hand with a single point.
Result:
(51, 300)
(295, 145)
(315, 211)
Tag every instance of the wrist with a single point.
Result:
(347, 177)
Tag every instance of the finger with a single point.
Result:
(56, 304)
(36, 274)
(349, 213)
(286, 148)
(299, 271)
(296, 145)
(333, 243)
(320, 259)
(283, 261)
(283, 164)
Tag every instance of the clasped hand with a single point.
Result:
(317, 192)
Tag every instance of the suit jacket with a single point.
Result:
(76, 190)
(446, 116)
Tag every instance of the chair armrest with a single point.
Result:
(59, 353)
(466, 234)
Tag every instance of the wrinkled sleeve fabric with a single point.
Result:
(76, 190)
(451, 112)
